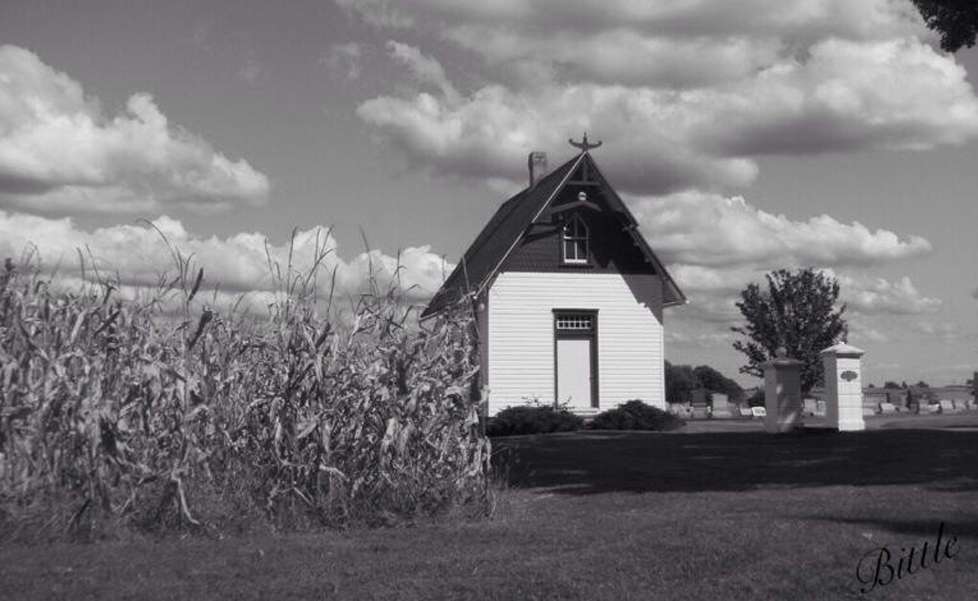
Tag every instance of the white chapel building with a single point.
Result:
(569, 295)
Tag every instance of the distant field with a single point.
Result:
(722, 514)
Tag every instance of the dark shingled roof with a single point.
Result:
(508, 225)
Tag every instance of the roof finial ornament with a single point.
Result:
(584, 145)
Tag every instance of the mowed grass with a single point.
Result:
(598, 515)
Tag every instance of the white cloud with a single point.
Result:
(479, 136)
(344, 60)
(699, 339)
(860, 19)
(713, 292)
(238, 263)
(623, 56)
(59, 153)
(860, 333)
(944, 330)
(424, 68)
(877, 295)
(841, 96)
(698, 229)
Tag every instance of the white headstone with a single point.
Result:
(811, 406)
(758, 411)
(843, 386)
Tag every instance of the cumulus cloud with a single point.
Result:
(877, 295)
(861, 19)
(843, 96)
(646, 149)
(714, 291)
(622, 56)
(425, 68)
(138, 254)
(711, 230)
(59, 152)
(686, 95)
(974, 293)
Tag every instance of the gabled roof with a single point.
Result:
(510, 222)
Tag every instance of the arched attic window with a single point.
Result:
(575, 241)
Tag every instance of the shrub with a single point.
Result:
(530, 419)
(636, 415)
(121, 412)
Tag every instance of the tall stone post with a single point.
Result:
(843, 387)
(782, 393)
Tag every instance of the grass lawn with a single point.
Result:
(733, 514)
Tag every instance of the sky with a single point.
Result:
(744, 136)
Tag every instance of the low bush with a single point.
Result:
(530, 419)
(636, 415)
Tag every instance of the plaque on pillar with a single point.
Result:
(782, 393)
(843, 387)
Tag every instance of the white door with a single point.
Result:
(574, 372)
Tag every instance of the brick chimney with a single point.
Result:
(537, 164)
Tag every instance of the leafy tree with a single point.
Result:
(921, 384)
(955, 20)
(797, 312)
(715, 381)
(680, 383)
(890, 384)
(682, 380)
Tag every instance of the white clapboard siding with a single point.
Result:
(521, 337)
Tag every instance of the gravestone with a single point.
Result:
(946, 406)
(820, 409)
(758, 411)
(811, 406)
(887, 408)
(746, 412)
(930, 408)
(960, 405)
(782, 393)
(721, 406)
(843, 386)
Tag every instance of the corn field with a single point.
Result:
(126, 413)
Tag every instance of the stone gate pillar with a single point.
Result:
(843, 387)
(782, 393)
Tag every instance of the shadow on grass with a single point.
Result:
(912, 528)
(596, 462)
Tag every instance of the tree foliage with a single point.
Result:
(715, 381)
(682, 380)
(798, 312)
(955, 20)
(680, 383)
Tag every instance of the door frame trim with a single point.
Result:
(592, 335)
